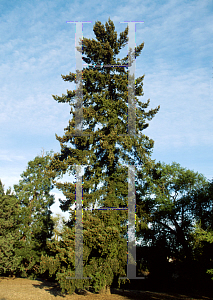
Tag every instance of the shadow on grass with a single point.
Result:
(127, 292)
(52, 287)
(147, 295)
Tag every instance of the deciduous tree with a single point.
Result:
(168, 205)
(202, 206)
(174, 198)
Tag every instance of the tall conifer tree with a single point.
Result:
(105, 102)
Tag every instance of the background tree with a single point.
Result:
(33, 194)
(201, 201)
(167, 198)
(105, 97)
(9, 232)
(206, 236)
(202, 207)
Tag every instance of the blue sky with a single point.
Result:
(37, 46)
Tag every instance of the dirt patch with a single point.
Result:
(26, 289)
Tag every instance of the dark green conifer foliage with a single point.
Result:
(105, 102)
(33, 193)
(9, 232)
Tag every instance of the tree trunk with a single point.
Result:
(105, 290)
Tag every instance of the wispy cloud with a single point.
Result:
(37, 46)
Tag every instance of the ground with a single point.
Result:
(26, 289)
